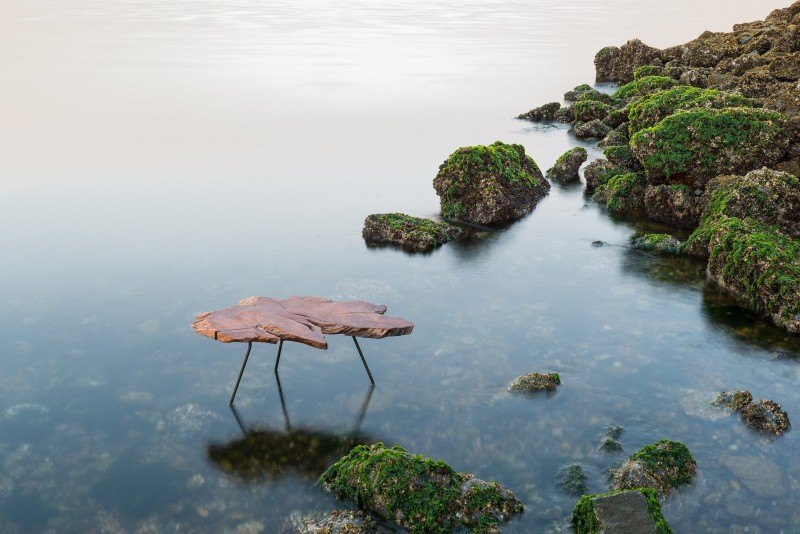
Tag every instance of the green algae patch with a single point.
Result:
(622, 156)
(574, 480)
(659, 105)
(623, 193)
(588, 515)
(492, 184)
(699, 144)
(663, 466)
(644, 86)
(411, 233)
(658, 244)
(589, 110)
(418, 493)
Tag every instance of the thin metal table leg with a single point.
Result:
(363, 360)
(278, 359)
(241, 372)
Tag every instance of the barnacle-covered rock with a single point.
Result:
(411, 233)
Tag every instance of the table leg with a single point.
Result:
(241, 372)
(363, 360)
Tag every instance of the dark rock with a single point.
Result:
(565, 115)
(532, 382)
(622, 156)
(589, 110)
(595, 129)
(573, 479)
(614, 64)
(614, 431)
(492, 184)
(567, 165)
(766, 416)
(545, 113)
(675, 205)
(597, 244)
(609, 444)
(417, 493)
(599, 172)
(576, 93)
(735, 400)
(410, 233)
(623, 194)
(616, 137)
(786, 67)
(635, 511)
(663, 466)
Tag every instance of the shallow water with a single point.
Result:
(161, 159)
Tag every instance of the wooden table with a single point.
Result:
(299, 319)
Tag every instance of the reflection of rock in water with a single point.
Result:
(674, 270)
(269, 454)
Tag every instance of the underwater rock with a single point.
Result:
(635, 511)
(417, 493)
(594, 129)
(567, 165)
(658, 244)
(492, 184)
(573, 479)
(545, 113)
(609, 444)
(616, 64)
(337, 522)
(766, 416)
(411, 233)
(662, 465)
(735, 400)
(675, 205)
(532, 382)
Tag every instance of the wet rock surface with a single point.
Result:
(567, 165)
(573, 479)
(622, 512)
(766, 417)
(337, 522)
(416, 492)
(663, 466)
(658, 244)
(544, 113)
(489, 185)
(410, 233)
(533, 382)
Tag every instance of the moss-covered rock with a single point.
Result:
(337, 522)
(576, 93)
(599, 172)
(573, 479)
(533, 382)
(657, 70)
(644, 86)
(663, 466)
(545, 113)
(616, 137)
(617, 117)
(492, 184)
(622, 156)
(696, 145)
(659, 105)
(417, 493)
(735, 400)
(675, 205)
(610, 445)
(589, 110)
(411, 233)
(658, 244)
(623, 193)
(634, 510)
(616, 64)
(567, 165)
(594, 129)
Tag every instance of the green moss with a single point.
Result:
(573, 479)
(643, 86)
(407, 223)
(670, 457)
(585, 521)
(419, 493)
(589, 110)
(702, 143)
(605, 51)
(657, 106)
(624, 192)
(623, 156)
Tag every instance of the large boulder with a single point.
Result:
(616, 64)
(675, 205)
(489, 185)
(411, 233)
(567, 165)
(694, 146)
(635, 511)
(663, 466)
(417, 493)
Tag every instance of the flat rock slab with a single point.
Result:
(624, 513)
(300, 319)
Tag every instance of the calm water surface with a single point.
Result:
(159, 159)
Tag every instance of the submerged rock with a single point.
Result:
(635, 511)
(545, 113)
(573, 479)
(735, 400)
(410, 233)
(531, 382)
(657, 244)
(610, 444)
(337, 522)
(567, 165)
(663, 466)
(766, 416)
(417, 493)
(492, 184)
